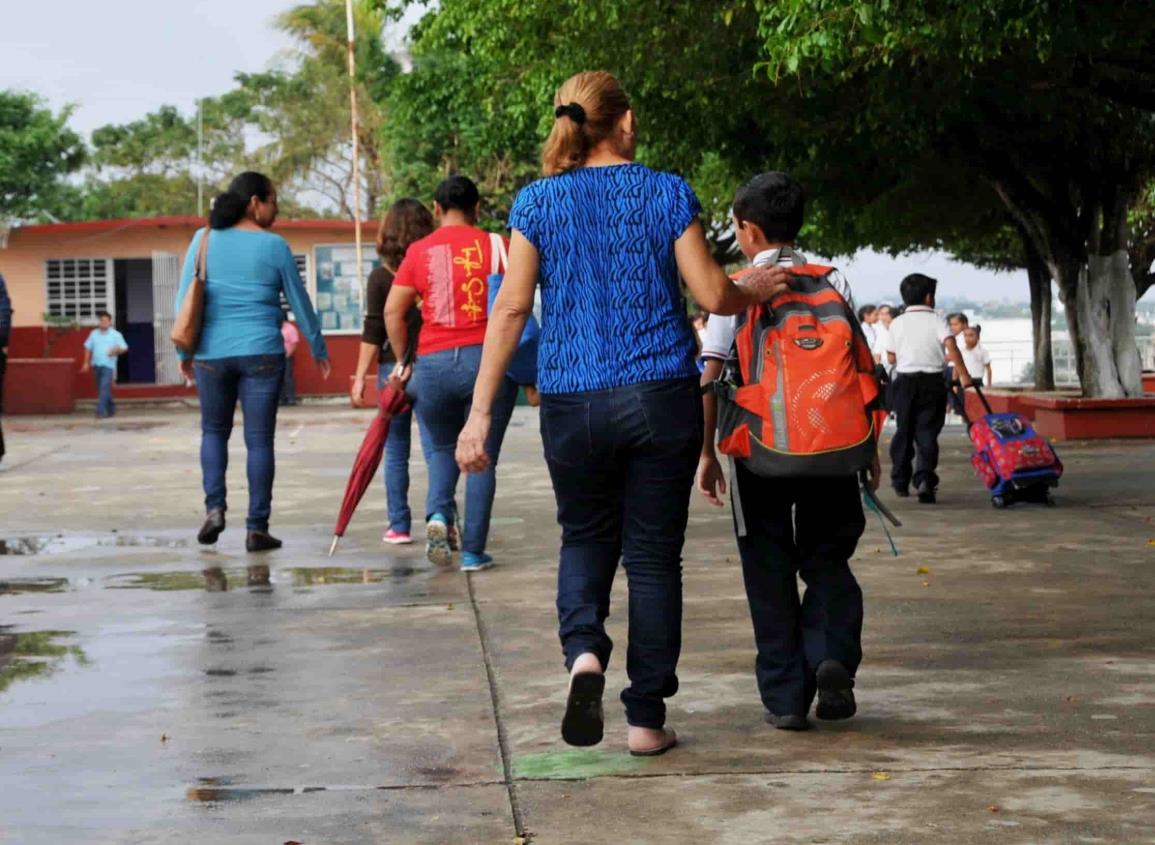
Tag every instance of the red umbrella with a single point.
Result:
(392, 401)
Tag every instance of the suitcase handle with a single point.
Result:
(982, 398)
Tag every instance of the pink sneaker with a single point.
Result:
(397, 538)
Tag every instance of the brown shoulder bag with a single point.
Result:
(186, 330)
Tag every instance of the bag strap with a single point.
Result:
(201, 269)
(498, 256)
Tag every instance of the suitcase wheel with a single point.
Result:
(999, 502)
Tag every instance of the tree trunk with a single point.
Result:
(1100, 300)
(1039, 277)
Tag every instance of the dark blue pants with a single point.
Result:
(918, 401)
(104, 376)
(622, 463)
(256, 381)
(288, 385)
(397, 448)
(806, 527)
(442, 391)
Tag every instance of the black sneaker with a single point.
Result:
(261, 541)
(791, 722)
(835, 691)
(926, 494)
(902, 492)
(211, 530)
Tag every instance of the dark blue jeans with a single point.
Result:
(256, 381)
(103, 376)
(622, 463)
(442, 391)
(397, 449)
(806, 527)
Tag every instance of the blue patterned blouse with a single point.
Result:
(612, 306)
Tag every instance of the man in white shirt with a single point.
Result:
(918, 391)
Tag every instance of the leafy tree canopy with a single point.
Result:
(37, 150)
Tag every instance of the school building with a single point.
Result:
(60, 275)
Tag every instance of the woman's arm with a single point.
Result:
(507, 320)
(401, 300)
(186, 275)
(303, 308)
(712, 288)
(365, 358)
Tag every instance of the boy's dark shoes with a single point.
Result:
(926, 494)
(211, 530)
(261, 541)
(584, 721)
(790, 722)
(902, 492)
(835, 692)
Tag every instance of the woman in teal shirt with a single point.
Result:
(241, 354)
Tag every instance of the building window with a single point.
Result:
(77, 288)
(303, 268)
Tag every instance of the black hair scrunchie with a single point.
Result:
(573, 111)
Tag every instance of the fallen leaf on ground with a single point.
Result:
(926, 583)
(993, 808)
(293, 842)
(164, 737)
(1151, 542)
(922, 570)
(880, 776)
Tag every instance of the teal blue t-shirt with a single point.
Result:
(100, 342)
(247, 272)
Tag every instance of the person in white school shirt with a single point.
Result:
(918, 391)
(976, 356)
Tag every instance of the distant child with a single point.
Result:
(976, 356)
(867, 318)
(918, 391)
(806, 526)
(101, 349)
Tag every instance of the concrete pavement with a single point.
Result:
(1007, 696)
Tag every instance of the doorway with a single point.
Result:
(134, 320)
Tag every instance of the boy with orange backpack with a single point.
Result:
(791, 393)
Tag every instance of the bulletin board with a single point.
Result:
(339, 285)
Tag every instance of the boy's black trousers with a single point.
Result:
(806, 527)
(918, 401)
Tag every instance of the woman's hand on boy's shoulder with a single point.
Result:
(765, 283)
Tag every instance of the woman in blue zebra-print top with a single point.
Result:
(621, 416)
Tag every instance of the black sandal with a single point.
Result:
(584, 722)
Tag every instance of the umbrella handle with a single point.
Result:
(333, 547)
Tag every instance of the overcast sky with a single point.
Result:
(116, 60)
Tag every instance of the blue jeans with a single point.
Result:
(397, 449)
(442, 391)
(256, 381)
(622, 463)
(103, 376)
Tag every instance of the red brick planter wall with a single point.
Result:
(39, 386)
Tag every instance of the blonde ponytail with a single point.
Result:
(587, 108)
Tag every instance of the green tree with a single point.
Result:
(37, 151)
(1050, 104)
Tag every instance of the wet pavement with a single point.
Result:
(152, 691)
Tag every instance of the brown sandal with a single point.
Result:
(669, 741)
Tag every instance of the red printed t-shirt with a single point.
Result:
(450, 271)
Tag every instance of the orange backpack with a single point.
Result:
(799, 395)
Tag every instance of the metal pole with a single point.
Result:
(356, 146)
(200, 158)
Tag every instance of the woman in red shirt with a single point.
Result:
(449, 271)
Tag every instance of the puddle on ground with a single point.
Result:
(35, 654)
(57, 544)
(33, 585)
(220, 580)
(570, 765)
